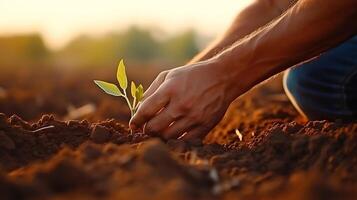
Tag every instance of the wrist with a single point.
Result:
(237, 71)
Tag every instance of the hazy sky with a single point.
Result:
(58, 21)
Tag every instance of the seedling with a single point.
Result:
(112, 89)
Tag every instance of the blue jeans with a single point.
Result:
(326, 87)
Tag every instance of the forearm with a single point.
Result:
(257, 14)
(306, 30)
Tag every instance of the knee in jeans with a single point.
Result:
(291, 82)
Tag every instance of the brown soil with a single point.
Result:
(280, 156)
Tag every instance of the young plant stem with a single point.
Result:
(134, 105)
(114, 90)
(130, 107)
(129, 104)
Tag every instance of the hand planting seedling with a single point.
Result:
(112, 89)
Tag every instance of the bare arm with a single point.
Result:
(192, 99)
(254, 16)
(306, 30)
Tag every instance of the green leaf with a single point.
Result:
(121, 75)
(133, 89)
(139, 93)
(109, 88)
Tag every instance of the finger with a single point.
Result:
(155, 85)
(196, 133)
(149, 108)
(177, 129)
(160, 122)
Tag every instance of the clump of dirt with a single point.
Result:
(111, 171)
(22, 143)
(262, 149)
(279, 157)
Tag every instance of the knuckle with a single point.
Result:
(185, 107)
(162, 74)
(194, 117)
(173, 115)
(170, 90)
(176, 114)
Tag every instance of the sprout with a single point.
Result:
(112, 89)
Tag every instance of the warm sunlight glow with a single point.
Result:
(59, 21)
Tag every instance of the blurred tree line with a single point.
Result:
(17, 51)
(136, 45)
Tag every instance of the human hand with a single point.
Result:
(191, 99)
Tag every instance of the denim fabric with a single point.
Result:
(326, 87)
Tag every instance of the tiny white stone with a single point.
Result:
(240, 136)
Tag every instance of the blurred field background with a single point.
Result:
(136, 45)
(50, 51)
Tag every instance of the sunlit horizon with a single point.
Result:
(60, 21)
